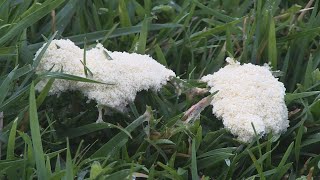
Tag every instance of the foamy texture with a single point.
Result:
(129, 72)
(248, 94)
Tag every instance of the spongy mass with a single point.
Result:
(248, 95)
(128, 73)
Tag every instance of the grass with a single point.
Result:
(49, 137)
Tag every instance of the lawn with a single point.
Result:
(171, 133)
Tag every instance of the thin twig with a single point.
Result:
(195, 110)
(53, 23)
(281, 16)
(292, 113)
(309, 176)
(193, 92)
(304, 12)
(244, 31)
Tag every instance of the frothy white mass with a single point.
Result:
(248, 94)
(129, 73)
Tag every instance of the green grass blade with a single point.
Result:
(302, 34)
(12, 163)
(96, 17)
(69, 164)
(257, 165)
(57, 167)
(48, 166)
(297, 144)
(109, 33)
(171, 171)
(14, 97)
(215, 13)
(289, 97)
(151, 173)
(89, 128)
(62, 19)
(59, 75)
(286, 155)
(36, 137)
(139, 9)
(58, 175)
(160, 56)
(19, 72)
(5, 85)
(285, 66)
(4, 10)
(272, 45)
(210, 31)
(283, 161)
(77, 156)
(100, 35)
(8, 51)
(29, 20)
(312, 139)
(39, 57)
(215, 152)
(213, 159)
(141, 44)
(307, 81)
(95, 170)
(229, 43)
(123, 14)
(282, 171)
(159, 150)
(43, 94)
(12, 140)
(194, 169)
(259, 161)
(121, 138)
(134, 109)
(122, 174)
